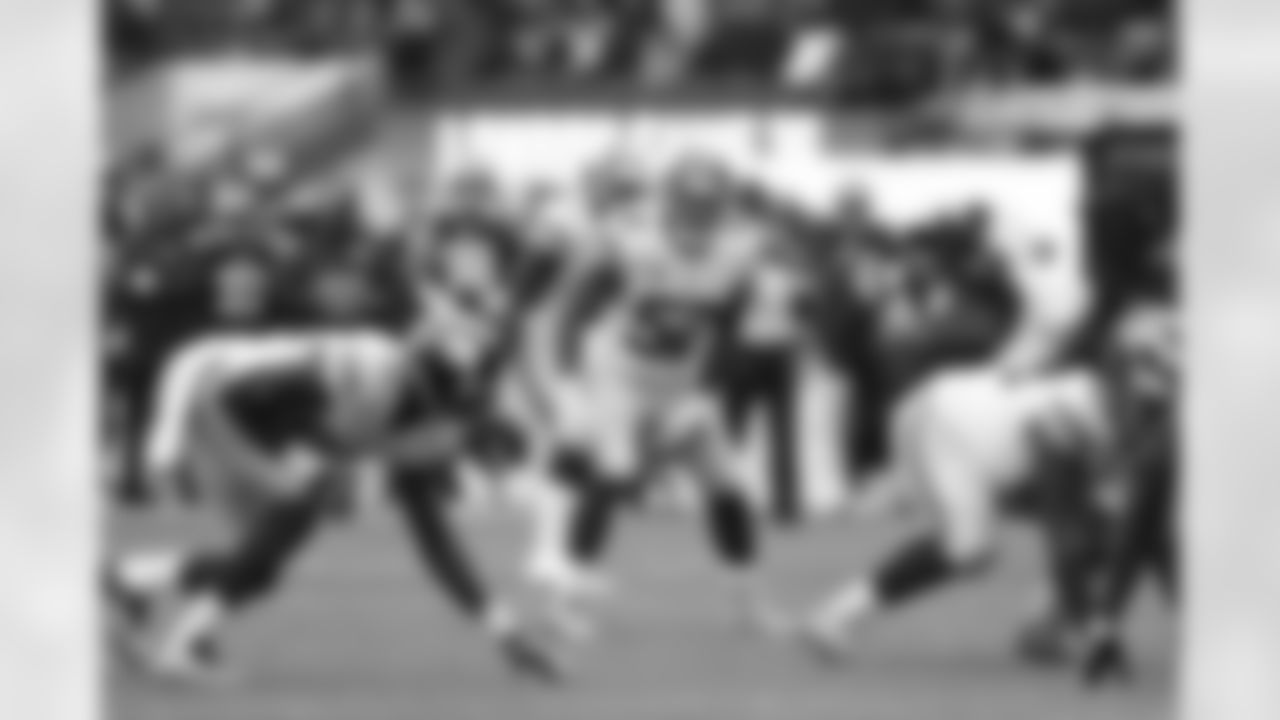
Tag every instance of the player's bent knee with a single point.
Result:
(575, 470)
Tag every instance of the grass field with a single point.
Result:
(358, 636)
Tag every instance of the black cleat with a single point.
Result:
(529, 658)
(1046, 644)
(1106, 662)
(826, 648)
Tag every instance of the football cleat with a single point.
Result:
(1105, 662)
(530, 659)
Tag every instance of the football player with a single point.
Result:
(278, 429)
(639, 401)
(962, 443)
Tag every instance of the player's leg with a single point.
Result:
(582, 438)
(213, 585)
(549, 504)
(416, 493)
(1168, 552)
(570, 569)
(1143, 543)
(701, 441)
(733, 526)
(139, 581)
(1053, 632)
(597, 465)
(419, 496)
(546, 503)
(960, 543)
(1075, 535)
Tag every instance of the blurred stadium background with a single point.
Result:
(291, 150)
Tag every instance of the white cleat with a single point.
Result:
(827, 646)
(532, 659)
(569, 595)
(198, 666)
(563, 579)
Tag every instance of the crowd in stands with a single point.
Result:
(863, 48)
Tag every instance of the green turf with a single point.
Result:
(358, 636)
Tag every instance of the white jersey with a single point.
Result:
(639, 382)
(663, 327)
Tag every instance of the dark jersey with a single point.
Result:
(438, 388)
(315, 389)
(281, 408)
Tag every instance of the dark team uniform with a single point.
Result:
(883, 363)
(289, 401)
(1143, 537)
(279, 409)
